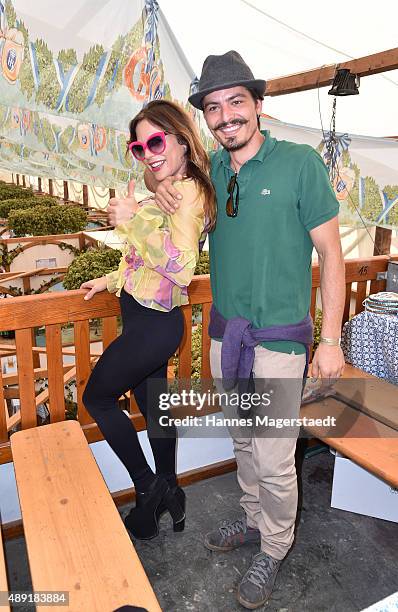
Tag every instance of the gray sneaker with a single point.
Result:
(231, 534)
(256, 585)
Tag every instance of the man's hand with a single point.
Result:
(167, 196)
(95, 286)
(328, 363)
(120, 210)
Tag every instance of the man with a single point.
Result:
(275, 203)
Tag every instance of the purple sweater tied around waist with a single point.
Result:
(240, 338)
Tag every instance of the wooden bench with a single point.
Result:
(75, 537)
(3, 572)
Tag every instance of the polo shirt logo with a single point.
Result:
(266, 192)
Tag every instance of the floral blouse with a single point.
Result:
(161, 251)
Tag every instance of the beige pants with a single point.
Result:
(265, 458)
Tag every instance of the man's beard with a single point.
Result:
(235, 146)
(230, 144)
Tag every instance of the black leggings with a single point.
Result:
(132, 362)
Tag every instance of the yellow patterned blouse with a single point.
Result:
(161, 251)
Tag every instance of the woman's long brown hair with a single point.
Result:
(172, 119)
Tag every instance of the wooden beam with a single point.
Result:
(324, 75)
(56, 307)
(40, 240)
(12, 379)
(7, 276)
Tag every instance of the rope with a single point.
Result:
(77, 195)
(336, 170)
(100, 205)
(101, 195)
(57, 188)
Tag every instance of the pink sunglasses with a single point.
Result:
(156, 143)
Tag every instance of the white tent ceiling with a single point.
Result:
(275, 37)
(281, 37)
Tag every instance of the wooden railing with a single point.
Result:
(52, 310)
(78, 240)
(24, 280)
(362, 272)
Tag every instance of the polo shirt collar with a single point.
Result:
(265, 149)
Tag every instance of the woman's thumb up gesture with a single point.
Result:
(120, 210)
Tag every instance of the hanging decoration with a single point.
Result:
(65, 114)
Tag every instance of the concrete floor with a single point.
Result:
(341, 562)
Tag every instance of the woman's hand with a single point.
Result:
(95, 286)
(120, 210)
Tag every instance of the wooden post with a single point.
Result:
(17, 179)
(23, 181)
(50, 187)
(382, 241)
(66, 191)
(26, 285)
(82, 241)
(85, 195)
(39, 183)
(112, 193)
(36, 356)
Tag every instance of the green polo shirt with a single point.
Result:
(260, 261)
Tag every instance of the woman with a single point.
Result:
(160, 259)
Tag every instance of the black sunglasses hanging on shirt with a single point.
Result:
(232, 204)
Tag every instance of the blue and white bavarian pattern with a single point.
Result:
(370, 342)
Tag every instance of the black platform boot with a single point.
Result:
(143, 520)
(179, 497)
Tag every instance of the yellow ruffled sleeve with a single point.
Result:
(169, 244)
(112, 281)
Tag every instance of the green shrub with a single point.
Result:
(196, 352)
(94, 263)
(44, 220)
(317, 327)
(203, 265)
(23, 203)
(8, 191)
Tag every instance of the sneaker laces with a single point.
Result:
(261, 570)
(228, 529)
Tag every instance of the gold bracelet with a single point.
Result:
(330, 341)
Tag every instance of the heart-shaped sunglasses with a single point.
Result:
(156, 143)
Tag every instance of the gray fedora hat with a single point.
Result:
(223, 72)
